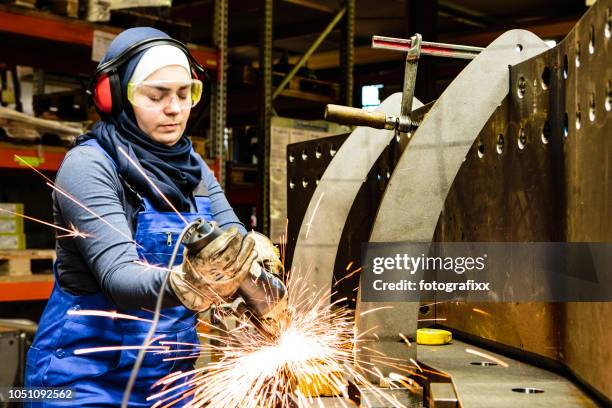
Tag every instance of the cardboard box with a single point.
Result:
(11, 225)
(12, 241)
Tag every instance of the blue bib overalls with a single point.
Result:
(99, 379)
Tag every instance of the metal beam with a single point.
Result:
(218, 109)
(347, 53)
(300, 63)
(265, 112)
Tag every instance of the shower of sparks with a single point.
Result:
(74, 233)
(487, 356)
(315, 349)
(142, 172)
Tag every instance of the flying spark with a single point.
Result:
(157, 190)
(487, 356)
(74, 233)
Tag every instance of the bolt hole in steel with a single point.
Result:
(305, 182)
(388, 174)
(528, 390)
(521, 87)
(522, 139)
(592, 107)
(319, 152)
(318, 179)
(481, 149)
(519, 47)
(545, 78)
(291, 184)
(577, 59)
(304, 154)
(592, 41)
(332, 150)
(608, 25)
(500, 144)
(483, 363)
(546, 132)
(291, 158)
(578, 121)
(424, 310)
(565, 125)
(565, 67)
(608, 102)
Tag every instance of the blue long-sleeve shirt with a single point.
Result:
(105, 260)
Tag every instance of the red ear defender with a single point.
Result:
(102, 96)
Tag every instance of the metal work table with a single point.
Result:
(491, 386)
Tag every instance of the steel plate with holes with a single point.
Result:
(540, 170)
(492, 386)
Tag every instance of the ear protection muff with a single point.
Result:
(105, 86)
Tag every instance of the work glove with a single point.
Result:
(267, 254)
(214, 274)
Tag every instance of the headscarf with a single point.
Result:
(175, 170)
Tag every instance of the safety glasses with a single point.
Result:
(157, 95)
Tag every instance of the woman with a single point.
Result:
(144, 94)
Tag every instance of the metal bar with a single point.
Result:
(308, 53)
(347, 53)
(410, 74)
(427, 48)
(265, 112)
(219, 90)
(442, 395)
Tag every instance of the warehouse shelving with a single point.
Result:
(39, 156)
(21, 288)
(45, 26)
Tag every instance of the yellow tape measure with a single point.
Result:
(433, 337)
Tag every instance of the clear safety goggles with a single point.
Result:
(157, 95)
